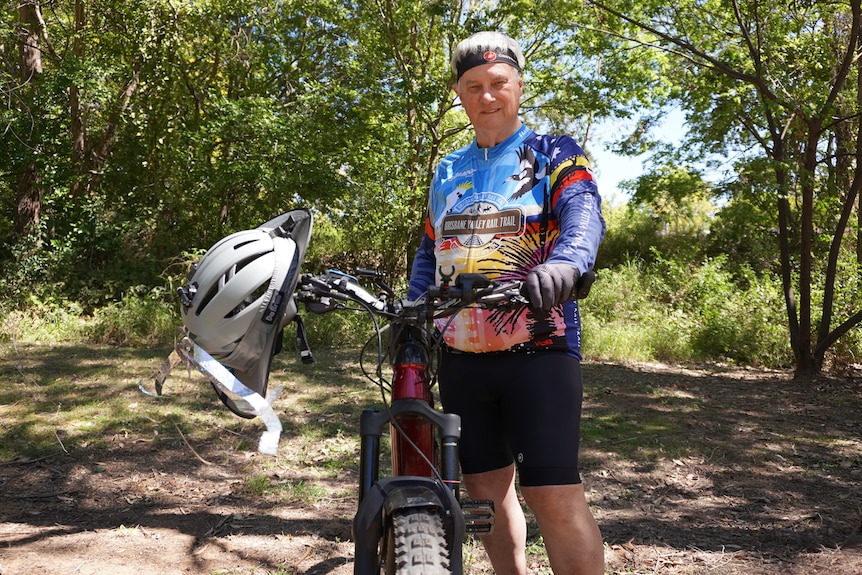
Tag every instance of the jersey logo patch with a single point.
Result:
(480, 224)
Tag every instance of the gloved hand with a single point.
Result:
(550, 284)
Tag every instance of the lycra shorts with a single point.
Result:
(516, 407)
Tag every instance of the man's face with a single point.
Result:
(491, 95)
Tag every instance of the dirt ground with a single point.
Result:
(735, 471)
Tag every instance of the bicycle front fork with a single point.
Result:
(380, 498)
(372, 423)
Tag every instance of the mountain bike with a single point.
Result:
(413, 521)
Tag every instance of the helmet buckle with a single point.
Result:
(187, 294)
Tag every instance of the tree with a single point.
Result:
(32, 36)
(677, 197)
(778, 80)
(402, 93)
(156, 128)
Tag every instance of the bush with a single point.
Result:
(330, 330)
(668, 311)
(44, 322)
(142, 317)
(625, 319)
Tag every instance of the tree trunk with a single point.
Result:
(30, 194)
(78, 134)
(858, 157)
(29, 189)
(806, 362)
(848, 181)
(783, 211)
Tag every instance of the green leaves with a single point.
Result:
(158, 127)
(770, 91)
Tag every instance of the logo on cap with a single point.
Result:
(490, 55)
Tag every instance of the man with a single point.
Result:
(515, 205)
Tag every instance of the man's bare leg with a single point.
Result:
(570, 532)
(506, 545)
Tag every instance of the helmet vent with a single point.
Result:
(240, 265)
(239, 245)
(252, 297)
(206, 298)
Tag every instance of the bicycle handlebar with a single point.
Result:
(322, 293)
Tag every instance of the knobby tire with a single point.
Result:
(416, 544)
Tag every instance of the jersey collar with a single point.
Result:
(492, 153)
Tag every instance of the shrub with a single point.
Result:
(142, 317)
(43, 322)
(332, 330)
(624, 318)
(671, 311)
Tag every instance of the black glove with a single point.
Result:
(551, 284)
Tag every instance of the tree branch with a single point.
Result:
(688, 47)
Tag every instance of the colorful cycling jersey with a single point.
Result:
(501, 211)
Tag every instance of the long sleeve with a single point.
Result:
(582, 226)
(423, 273)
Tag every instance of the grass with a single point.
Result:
(65, 397)
(70, 395)
(307, 492)
(84, 399)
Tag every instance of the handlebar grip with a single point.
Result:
(582, 287)
(366, 273)
(585, 282)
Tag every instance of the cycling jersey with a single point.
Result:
(501, 211)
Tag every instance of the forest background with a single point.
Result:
(136, 134)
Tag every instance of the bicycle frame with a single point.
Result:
(413, 436)
(425, 481)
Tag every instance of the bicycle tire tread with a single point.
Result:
(420, 543)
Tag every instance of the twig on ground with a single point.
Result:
(60, 441)
(36, 495)
(308, 550)
(218, 525)
(634, 438)
(189, 445)
(25, 461)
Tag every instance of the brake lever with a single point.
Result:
(320, 284)
(471, 286)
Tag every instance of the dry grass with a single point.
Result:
(689, 470)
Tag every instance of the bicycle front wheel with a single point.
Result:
(416, 544)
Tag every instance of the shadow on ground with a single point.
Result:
(690, 461)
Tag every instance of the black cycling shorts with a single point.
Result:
(521, 407)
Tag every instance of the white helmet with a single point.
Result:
(240, 296)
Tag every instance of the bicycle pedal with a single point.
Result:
(478, 515)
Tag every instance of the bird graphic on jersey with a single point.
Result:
(530, 173)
